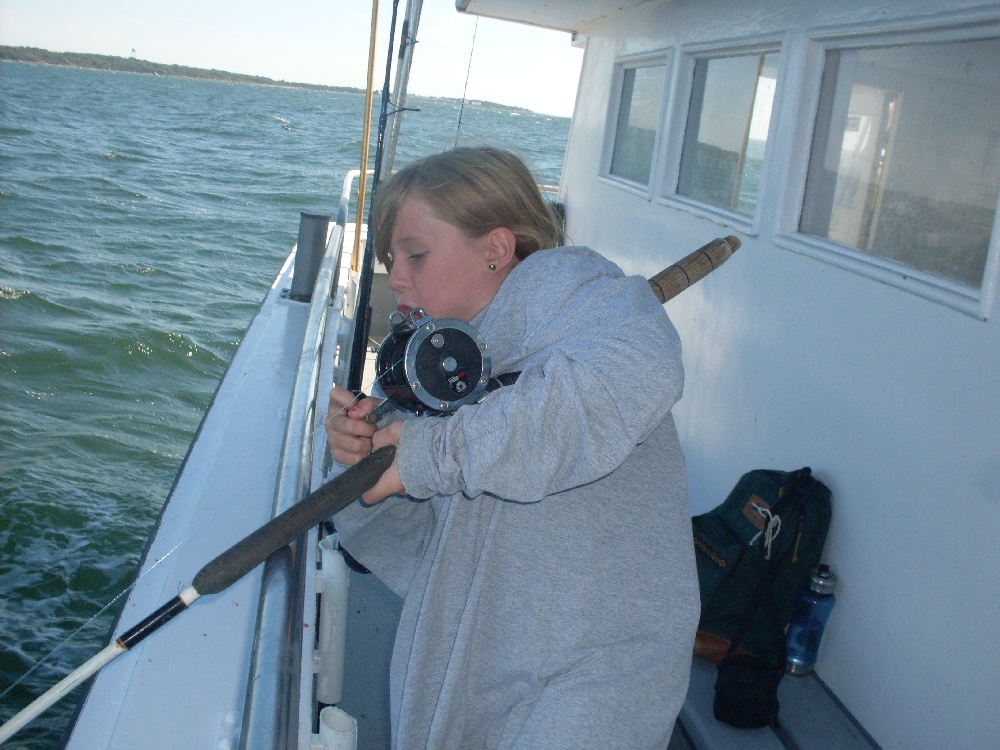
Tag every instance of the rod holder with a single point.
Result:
(337, 730)
(332, 584)
(309, 251)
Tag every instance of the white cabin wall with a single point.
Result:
(892, 398)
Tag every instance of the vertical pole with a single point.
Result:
(363, 310)
(407, 45)
(366, 133)
(308, 254)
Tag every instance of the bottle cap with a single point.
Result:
(823, 580)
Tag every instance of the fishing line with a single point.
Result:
(195, 532)
(222, 572)
(239, 559)
(39, 663)
(226, 505)
(359, 396)
(468, 71)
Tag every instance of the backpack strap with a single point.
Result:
(792, 497)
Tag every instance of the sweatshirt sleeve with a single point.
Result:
(581, 404)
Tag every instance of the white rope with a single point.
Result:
(771, 529)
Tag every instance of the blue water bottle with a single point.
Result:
(815, 602)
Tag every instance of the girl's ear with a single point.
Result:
(500, 251)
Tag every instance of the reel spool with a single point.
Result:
(432, 366)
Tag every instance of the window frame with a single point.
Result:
(662, 57)
(956, 27)
(688, 57)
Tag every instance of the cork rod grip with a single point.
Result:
(673, 280)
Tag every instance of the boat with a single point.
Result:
(853, 149)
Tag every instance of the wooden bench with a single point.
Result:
(810, 718)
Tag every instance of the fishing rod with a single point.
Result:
(225, 570)
(434, 366)
(690, 269)
(362, 309)
(230, 566)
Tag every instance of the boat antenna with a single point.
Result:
(465, 91)
(363, 310)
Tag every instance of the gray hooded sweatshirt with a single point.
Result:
(544, 550)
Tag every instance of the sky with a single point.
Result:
(311, 41)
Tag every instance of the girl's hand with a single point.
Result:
(390, 483)
(347, 434)
(351, 438)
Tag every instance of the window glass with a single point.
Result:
(905, 161)
(726, 133)
(638, 115)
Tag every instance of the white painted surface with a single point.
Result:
(567, 15)
(891, 397)
(184, 686)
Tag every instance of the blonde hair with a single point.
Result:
(475, 190)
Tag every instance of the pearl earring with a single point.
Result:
(493, 266)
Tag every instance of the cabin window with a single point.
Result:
(728, 119)
(641, 96)
(905, 159)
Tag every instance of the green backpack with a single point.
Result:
(754, 552)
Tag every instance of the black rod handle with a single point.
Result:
(255, 548)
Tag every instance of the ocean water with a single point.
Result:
(142, 219)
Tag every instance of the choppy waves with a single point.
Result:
(142, 220)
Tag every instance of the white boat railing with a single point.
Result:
(271, 717)
(345, 194)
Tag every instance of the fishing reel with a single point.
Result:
(430, 366)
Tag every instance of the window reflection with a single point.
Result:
(638, 116)
(727, 127)
(904, 161)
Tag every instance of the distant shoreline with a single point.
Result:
(135, 65)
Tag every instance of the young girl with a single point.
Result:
(540, 540)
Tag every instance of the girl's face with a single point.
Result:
(438, 268)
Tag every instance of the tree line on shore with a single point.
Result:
(135, 65)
